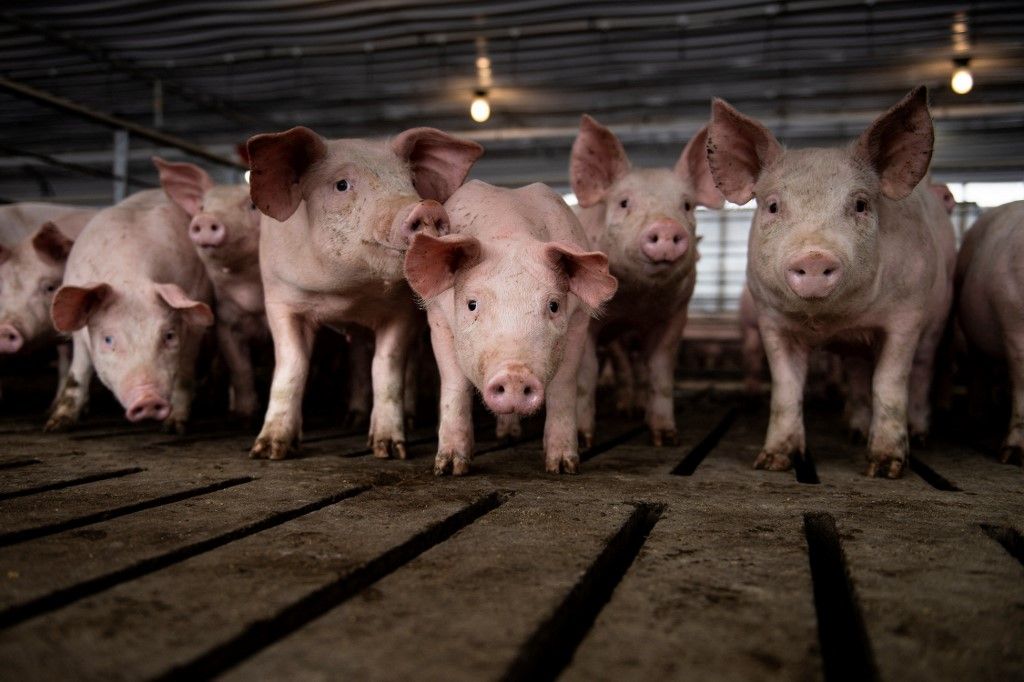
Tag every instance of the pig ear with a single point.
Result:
(185, 183)
(738, 149)
(277, 162)
(73, 306)
(693, 166)
(587, 272)
(597, 161)
(431, 262)
(52, 244)
(196, 313)
(439, 161)
(898, 145)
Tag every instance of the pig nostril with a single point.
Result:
(828, 272)
(215, 228)
(801, 272)
(415, 226)
(527, 391)
(500, 389)
(653, 239)
(675, 240)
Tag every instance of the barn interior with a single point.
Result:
(129, 553)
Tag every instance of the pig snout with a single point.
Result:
(11, 339)
(426, 216)
(814, 274)
(664, 241)
(514, 390)
(206, 231)
(146, 403)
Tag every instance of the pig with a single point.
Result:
(35, 240)
(509, 296)
(643, 219)
(337, 219)
(136, 300)
(752, 348)
(944, 195)
(990, 307)
(847, 249)
(225, 231)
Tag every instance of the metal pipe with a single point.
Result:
(120, 170)
(141, 131)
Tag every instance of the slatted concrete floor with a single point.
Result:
(127, 554)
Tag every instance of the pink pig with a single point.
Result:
(509, 295)
(990, 304)
(338, 216)
(846, 250)
(225, 229)
(136, 297)
(643, 219)
(944, 195)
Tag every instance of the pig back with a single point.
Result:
(19, 220)
(145, 237)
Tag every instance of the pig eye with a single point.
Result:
(553, 306)
(861, 206)
(50, 287)
(169, 336)
(471, 304)
(687, 205)
(252, 206)
(341, 185)
(624, 203)
(773, 207)
(108, 341)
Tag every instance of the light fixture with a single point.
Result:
(480, 109)
(962, 80)
(246, 176)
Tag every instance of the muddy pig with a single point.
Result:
(338, 216)
(509, 295)
(846, 249)
(136, 298)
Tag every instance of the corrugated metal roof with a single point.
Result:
(816, 71)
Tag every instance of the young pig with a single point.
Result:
(225, 229)
(135, 295)
(338, 218)
(643, 219)
(509, 298)
(846, 249)
(990, 305)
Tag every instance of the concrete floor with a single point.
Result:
(128, 554)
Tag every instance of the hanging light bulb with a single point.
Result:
(480, 109)
(962, 80)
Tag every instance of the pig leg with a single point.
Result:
(753, 360)
(63, 366)
(508, 427)
(1012, 450)
(184, 387)
(360, 393)
(387, 423)
(919, 406)
(293, 343)
(858, 398)
(787, 361)
(662, 348)
(888, 443)
(455, 427)
(561, 446)
(235, 349)
(412, 371)
(74, 391)
(626, 399)
(586, 388)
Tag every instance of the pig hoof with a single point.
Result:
(858, 436)
(386, 448)
(586, 440)
(774, 461)
(355, 420)
(884, 467)
(410, 423)
(1011, 454)
(662, 437)
(271, 448)
(452, 463)
(59, 423)
(563, 464)
(919, 440)
(175, 426)
(508, 428)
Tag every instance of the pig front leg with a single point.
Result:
(387, 422)
(921, 373)
(586, 387)
(63, 367)
(508, 427)
(235, 349)
(360, 391)
(1012, 450)
(858, 398)
(662, 348)
(561, 445)
(74, 390)
(412, 373)
(455, 427)
(184, 386)
(293, 342)
(626, 398)
(787, 361)
(888, 443)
